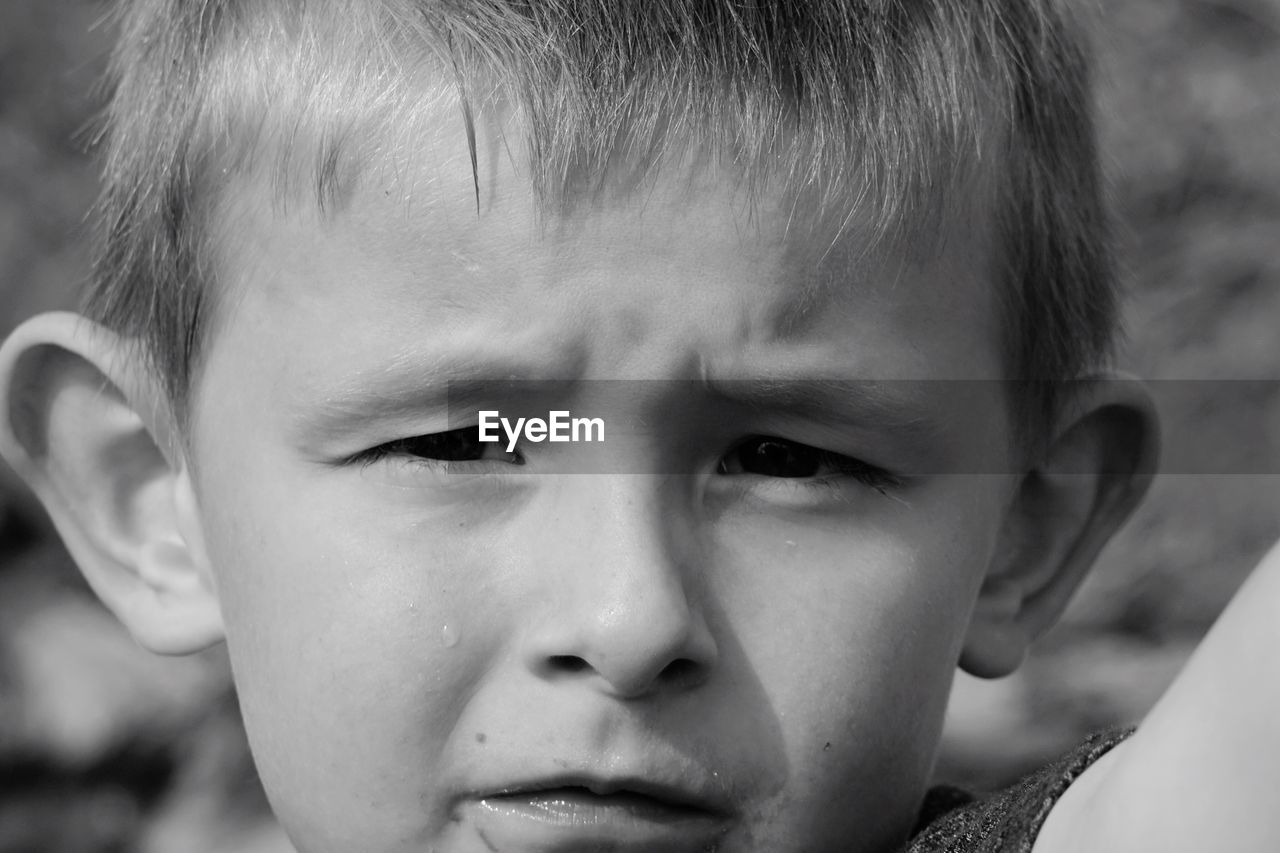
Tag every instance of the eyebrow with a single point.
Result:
(453, 384)
(410, 386)
(900, 406)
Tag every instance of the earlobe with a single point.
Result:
(998, 639)
(1067, 506)
(86, 426)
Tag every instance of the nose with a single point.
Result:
(626, 612)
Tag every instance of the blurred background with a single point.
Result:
(104, 747)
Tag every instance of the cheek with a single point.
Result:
(854, 632)
(354, 640)
(861, 647)
(868, 597)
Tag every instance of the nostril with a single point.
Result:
(566, 663)
(681, 671)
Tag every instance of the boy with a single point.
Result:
(809, 246)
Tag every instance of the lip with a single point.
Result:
(584, 812)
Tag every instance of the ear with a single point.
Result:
(1092, 474)
(83, 421)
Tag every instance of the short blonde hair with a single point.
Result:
(875, 103)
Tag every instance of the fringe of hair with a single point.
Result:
(887, 109)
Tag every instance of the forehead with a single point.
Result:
(428, 229)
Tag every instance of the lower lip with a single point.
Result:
(572, 819)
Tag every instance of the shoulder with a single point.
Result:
(1006, 821)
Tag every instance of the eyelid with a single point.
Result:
(842, 465)
(398, 448)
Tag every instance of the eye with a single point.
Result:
(767, 456)
(455, 445)
(772, 457)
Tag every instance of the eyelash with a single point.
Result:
(838, 464)
(403, 447)
(767, 451)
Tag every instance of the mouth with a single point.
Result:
(572, 803)
(581, 813)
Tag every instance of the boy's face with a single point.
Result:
(753, 653)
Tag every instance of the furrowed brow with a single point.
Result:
(451, 386)
(901, 406)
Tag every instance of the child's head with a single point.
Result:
(330, 230)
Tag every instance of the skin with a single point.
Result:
(407, 639)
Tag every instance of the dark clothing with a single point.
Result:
(955, 821)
